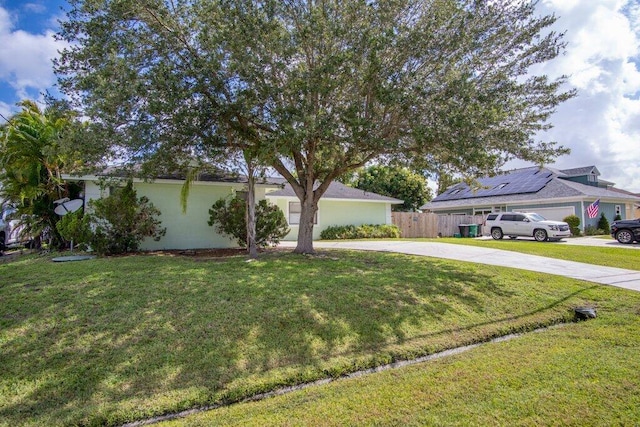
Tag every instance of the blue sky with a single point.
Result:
(601, 125)
(27, 48)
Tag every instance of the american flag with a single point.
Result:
(592, 210)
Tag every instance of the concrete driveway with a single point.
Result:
(604, 242)
(628, 279)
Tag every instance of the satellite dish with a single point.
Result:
(67, 206)
(64, 199)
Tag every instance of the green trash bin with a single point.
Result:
(473, 230)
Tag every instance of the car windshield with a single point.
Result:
(536, 217)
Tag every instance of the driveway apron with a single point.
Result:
(628, 279)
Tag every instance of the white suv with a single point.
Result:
(514, 224)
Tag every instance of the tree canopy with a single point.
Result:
(318, 88)
(396, 182)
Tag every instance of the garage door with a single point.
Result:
(555, 214)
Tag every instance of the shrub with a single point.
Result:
(366, 231)
(120, 222)
(617, 217)
(228, 216)
(76, 227)
(603, 224)
(591, 230)
(339, 232)
(574, 224)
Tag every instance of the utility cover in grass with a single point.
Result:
(72, 258)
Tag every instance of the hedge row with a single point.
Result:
(366, 231)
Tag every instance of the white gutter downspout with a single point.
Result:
(582, 214)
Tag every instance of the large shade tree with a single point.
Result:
(318, 88)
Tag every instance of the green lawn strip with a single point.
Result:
(596, 255)
(118, 339)
(585, 373)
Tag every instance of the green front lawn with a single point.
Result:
(119, 339)
(610, 257)
(582, 374)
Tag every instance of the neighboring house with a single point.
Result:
(341, 205)
(635, 210)
(550, 192)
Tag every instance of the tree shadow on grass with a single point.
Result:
(123, 339)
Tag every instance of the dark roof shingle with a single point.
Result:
(336, 190)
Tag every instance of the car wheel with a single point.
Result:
(540, 235)
(496, 233)
(624, 236)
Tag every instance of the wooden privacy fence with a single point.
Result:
(416, 224)
(429, 225)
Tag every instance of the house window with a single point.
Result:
(591, 177)
(295, 208)
(482, 211)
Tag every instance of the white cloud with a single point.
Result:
(54, 20)
(25, 58)
(602, 124)
(35, 7)
(6, 111)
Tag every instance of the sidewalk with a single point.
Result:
(603, 242)
(627, 279)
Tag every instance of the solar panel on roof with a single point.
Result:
(520, 181)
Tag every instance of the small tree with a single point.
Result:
(603, 224)
(228, 216)
(120, 222)
(574, 224)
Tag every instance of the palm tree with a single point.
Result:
(31, 160)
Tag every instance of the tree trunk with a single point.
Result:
(305, 231)
(251, 211)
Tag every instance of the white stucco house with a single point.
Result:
(341, 205)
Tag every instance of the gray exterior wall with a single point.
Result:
(609, 211)
(574, 205)
(582, 180)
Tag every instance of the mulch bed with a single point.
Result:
(196, 254)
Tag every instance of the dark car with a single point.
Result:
(626, 230)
